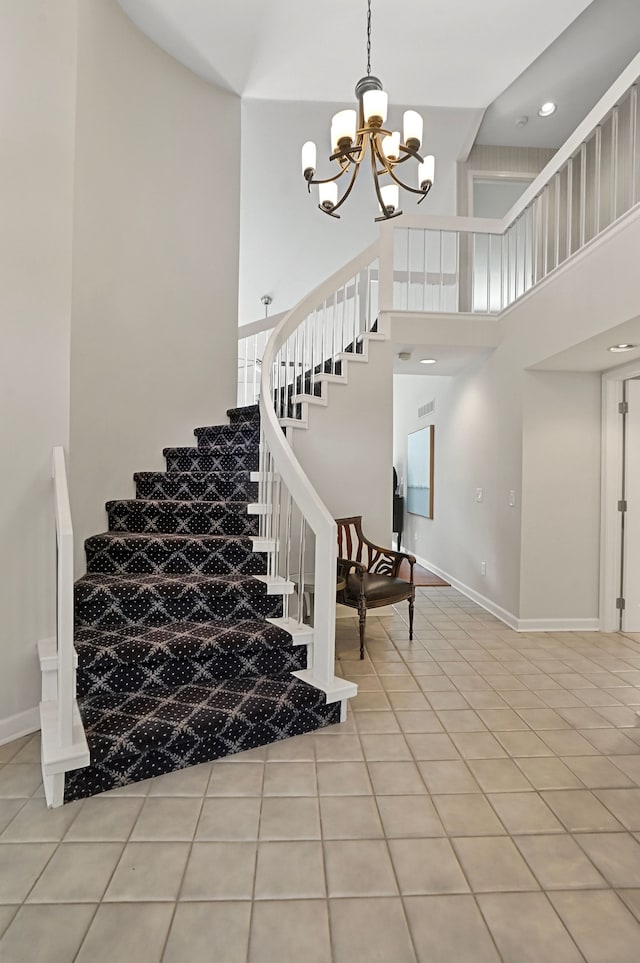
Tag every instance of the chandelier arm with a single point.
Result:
(388, 217)
(375, 153)
(409, 153)
(328, 180)
(425, 193)
(405, 187)
(348, 190)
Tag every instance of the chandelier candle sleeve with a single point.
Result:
(308, 159)
(412, 129)
(374, 104)
(343, 129)
(390, 197)
(328, 195)
(426, 172)
(391, 145)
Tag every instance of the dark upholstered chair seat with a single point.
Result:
(378, 589)
(369, 574)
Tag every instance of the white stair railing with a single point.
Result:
(309, 348)
(252, 341)
(64, 746)
(64, 598)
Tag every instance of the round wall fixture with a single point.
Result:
(622, 347)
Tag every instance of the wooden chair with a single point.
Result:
(370, 574)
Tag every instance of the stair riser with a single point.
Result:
(154, 606)
(153, 555)
(195, 459)
(190, 486)
(222, 437)
(176, 518)
(206, 668)
(240, 416)
(126, 558)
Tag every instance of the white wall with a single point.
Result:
(477, 445)
(153, 349)
(503, 427)
(561, 494)
(118, 314)
(348, 448)
(287, 245)
(37, 90)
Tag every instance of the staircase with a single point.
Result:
(183, 654)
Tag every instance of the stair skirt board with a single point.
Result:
(177, 663)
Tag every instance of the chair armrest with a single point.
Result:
(346, 564)
(388, 555)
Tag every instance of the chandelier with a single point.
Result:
(358, 134)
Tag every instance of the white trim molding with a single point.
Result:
(509, 619)
(22, 724)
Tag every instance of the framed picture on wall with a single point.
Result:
(420, 471)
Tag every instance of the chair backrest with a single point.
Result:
(350, 544)
(354, 545)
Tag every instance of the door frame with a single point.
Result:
(610, 492)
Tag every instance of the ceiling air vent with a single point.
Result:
(426, 409)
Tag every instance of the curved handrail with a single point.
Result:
(64, 596)
(292, 474)
(288, 466)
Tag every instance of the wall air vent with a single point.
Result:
(425, 410)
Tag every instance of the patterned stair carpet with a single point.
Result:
(177, 664)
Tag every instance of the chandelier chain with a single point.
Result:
(368, 38)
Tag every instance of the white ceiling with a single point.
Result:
(460, 59)
(436, 53)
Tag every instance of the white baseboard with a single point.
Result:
(22, 724)
(518, 625)
(558, 625)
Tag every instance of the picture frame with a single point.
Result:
(420, 452)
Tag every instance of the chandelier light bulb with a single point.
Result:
(374, 106)
(308, 159)
(343, 129)
(412, 129)
(426, 172)
(391, 145)
(328, 195)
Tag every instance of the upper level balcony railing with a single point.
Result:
(455, 265)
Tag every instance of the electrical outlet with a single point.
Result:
(512, 498)
(483, 568)
(479, 494)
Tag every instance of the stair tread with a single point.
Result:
(177, 538)
(178, 504)
(142, 639)
(111, 715)
(109, 580)
(133, 737)
(139, 659)
(221, 474)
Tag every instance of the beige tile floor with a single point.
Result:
(480, 804)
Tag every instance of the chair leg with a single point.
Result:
(411, 601)
(362, 613)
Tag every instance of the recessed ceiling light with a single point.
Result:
(622, 347)
(547, 109)
(428, 360)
